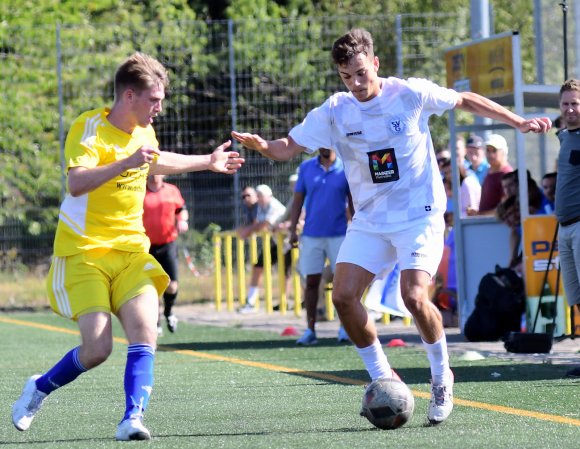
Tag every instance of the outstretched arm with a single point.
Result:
(220, 161)
(278, 150)
(484, 107)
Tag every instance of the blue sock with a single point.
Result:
(64, 372)
(138, 379)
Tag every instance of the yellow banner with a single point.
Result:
(538, 235)
(485, 67)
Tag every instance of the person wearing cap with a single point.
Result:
(249, 199)
(270, 214)
(492, 190)
(478, 163)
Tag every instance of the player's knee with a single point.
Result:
(97, 353)
(342, 300)
(416, 300)
(172, 288)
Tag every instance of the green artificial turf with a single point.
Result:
(234, 388)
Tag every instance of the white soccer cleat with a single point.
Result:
(441, 403)
(28, 404)
(172, 323)
(248, 308)
(132, 429)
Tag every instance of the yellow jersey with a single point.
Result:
(111, 216)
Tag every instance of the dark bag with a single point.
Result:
(499, 305)
(519, 342)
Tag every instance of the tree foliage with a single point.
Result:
(274, 91)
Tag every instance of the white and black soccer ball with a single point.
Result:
(388, 403)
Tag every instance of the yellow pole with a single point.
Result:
(217, 256)
(386, 318)
(281, 272)
(267, 270)
(241, 271)
(328, 302)
(229, 273)
(296, 283)
(407, 321)
(568, 322)
(253, 249)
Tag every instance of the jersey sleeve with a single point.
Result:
(79, 152)
(436, 99)
(315, 130)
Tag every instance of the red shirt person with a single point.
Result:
(164, 218)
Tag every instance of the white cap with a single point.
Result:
(498, 142)
(264, 190)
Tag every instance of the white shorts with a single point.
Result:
(415, 245)
(315, 250)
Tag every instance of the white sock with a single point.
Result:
(252, 295)
(439, 360)
(375, 361)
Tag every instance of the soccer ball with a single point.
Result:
(388, 403)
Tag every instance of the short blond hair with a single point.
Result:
(140, 72)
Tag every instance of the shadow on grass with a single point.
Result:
(479, 371)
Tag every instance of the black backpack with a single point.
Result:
(499, 305)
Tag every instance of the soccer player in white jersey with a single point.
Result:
(101, 265)
(380, 130)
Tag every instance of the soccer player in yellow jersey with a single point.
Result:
(101, 265)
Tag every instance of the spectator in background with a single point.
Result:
(270, 213)
(476, 156)
(469, 188)
(323, 191)
(549, 190)
(249, 205)
(165, 217)
(568, 196)
(508, 211)
(491, 190)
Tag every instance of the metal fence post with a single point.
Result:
(60, 112)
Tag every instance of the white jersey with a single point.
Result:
(386, 148)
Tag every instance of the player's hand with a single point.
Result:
(223, 161)
(144, 155)
(536, 125)
(251, 141)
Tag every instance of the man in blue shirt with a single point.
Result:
(475, 150)
(323, 191)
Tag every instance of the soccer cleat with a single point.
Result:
(132, 429)
(308, 338)
(248, 308)
(441, 403)
(28, 404)
(172, 323)
(342, 335)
